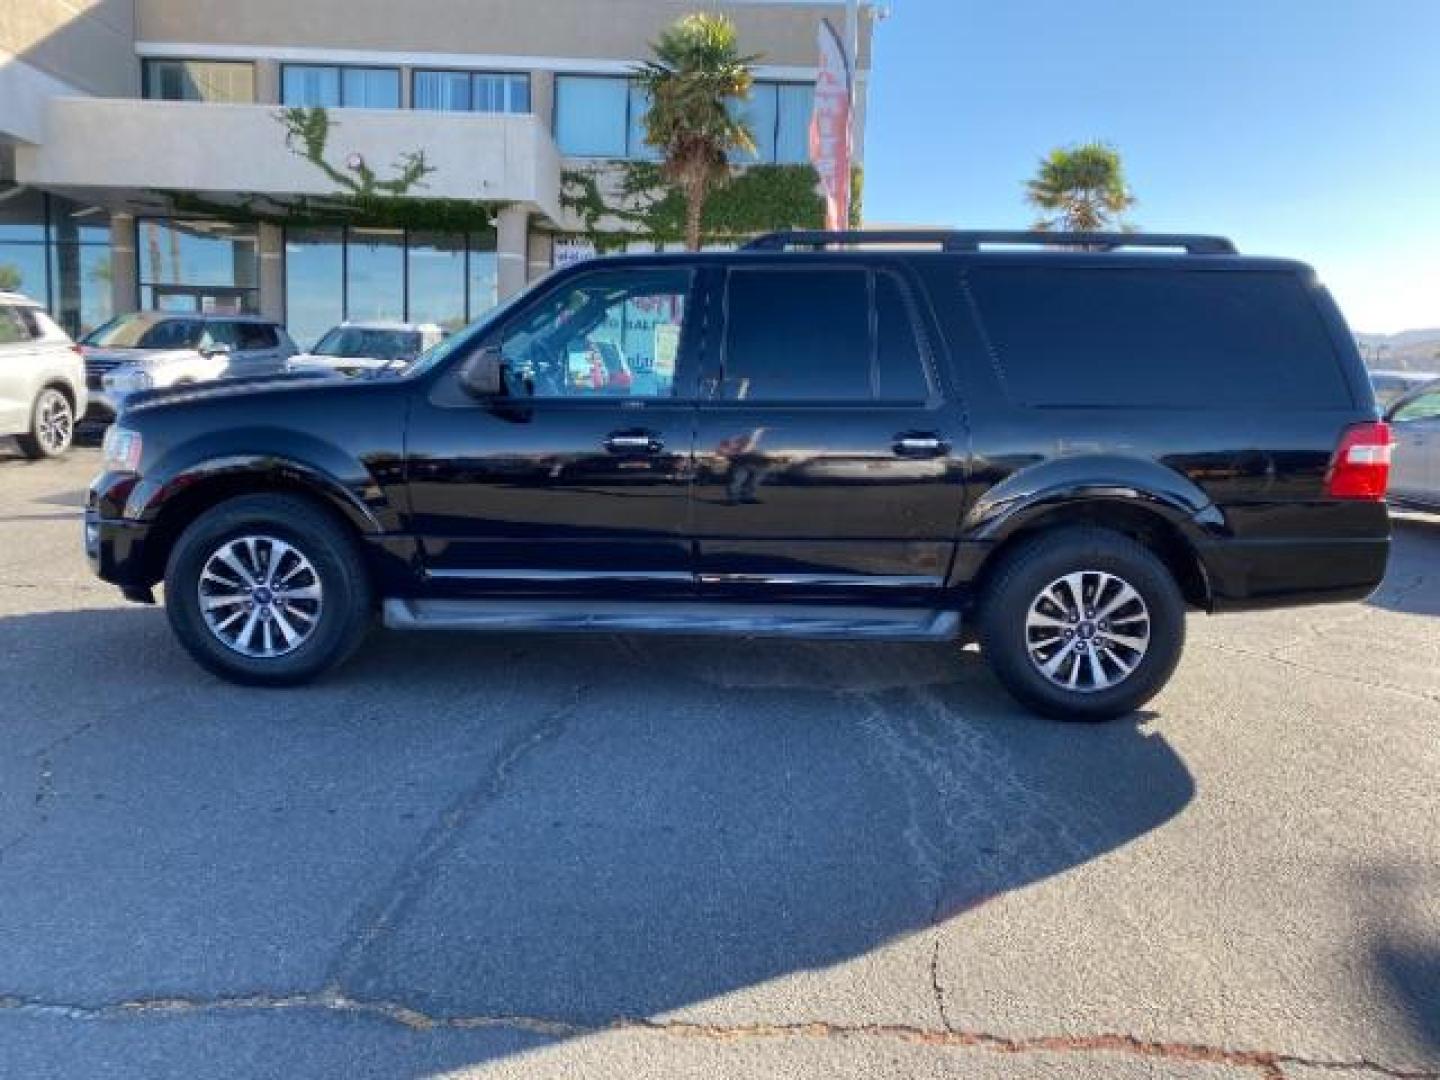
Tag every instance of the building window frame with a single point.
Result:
(473, 74)
(151, 63)
(340, 70)
(645, 152)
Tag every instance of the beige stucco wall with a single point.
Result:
(591, 29)
(86, 44)
(98, 143)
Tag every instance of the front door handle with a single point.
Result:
(634, 442)
(920, 444)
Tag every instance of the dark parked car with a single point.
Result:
(1054, 440)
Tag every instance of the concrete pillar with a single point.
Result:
(542, 255)
(272, 271)
(267, 82)
(542, 98)
(512, 249)
(124, 281)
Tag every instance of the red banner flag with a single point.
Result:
(830, 126)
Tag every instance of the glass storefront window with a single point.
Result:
(314, 286)
(22, 269)
(57, 252)
(334, 275)
(22, 217)
(198, 253)
(436, 278)
(204, 266)
(375, 274)
(73, 222)
(80, 278)
(484, 275)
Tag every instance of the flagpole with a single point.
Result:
(852, 43)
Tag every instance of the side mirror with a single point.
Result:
(216, 348)
(483, 375)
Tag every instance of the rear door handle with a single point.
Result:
(920, 444)
(634, 442)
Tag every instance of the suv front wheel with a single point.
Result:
(1082, 624)
(267, 590)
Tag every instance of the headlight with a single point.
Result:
(121, 450)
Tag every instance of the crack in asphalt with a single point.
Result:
(1270, 1064)
(1405, 691)
(405, 886)
(937, 988)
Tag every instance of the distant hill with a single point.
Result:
(1409, 350)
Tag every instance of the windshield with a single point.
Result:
(135, 331)
(464, 339)
(359, 341)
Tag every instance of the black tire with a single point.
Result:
(348, 598)
(52, 425)
(1031, 569)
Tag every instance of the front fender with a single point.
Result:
(344, 483)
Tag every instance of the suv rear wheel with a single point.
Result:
(52, 425)
(1082, 624)
(267, 590)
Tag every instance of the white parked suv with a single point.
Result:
(42, 379)
(354, 348)
(148, 350)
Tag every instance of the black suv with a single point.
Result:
(1056, 441)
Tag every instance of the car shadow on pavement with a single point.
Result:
(1394, 910)
(566, 829)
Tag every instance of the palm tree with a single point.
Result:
(1081, 189)
(697, 77)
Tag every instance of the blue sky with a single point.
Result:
(1305, 128)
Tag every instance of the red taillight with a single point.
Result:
(1361, 466)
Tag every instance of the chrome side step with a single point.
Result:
(676, 617)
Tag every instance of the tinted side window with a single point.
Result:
(256, 336)
(798, 335)
(12, 328)
(172, 334)
(899, 359)
(612, 333)
(1158, 338)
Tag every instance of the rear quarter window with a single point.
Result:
(1143, 338)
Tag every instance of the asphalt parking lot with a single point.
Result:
(631, 857)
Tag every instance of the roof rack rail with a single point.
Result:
(961, 241)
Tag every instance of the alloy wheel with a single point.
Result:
(55, 422)
(1087, 631)
(261, 597)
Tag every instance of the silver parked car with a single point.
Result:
(353, 348)
(1391, 386)
(146, 350)
(42, 378)
(1415, 475)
